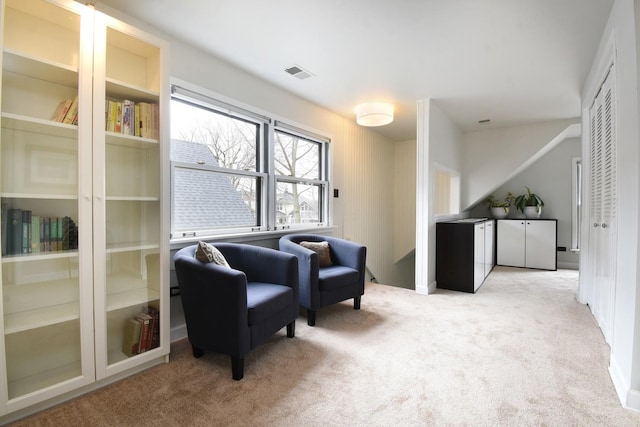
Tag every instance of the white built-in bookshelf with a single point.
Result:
(84, 212)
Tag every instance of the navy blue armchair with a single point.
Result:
(321, 286)
(233, 310)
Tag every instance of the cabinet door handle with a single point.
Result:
(604, 225)
(596, 225)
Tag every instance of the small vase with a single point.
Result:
(532, 212)
(499, 212)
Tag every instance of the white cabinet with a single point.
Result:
(87, 245)
(478, 255)
(489, 246)
(529, 243)
(464, 253)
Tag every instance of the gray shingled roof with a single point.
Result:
(202, 198)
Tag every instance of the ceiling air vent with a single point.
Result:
(298, 72)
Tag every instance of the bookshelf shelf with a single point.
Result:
(132, 199)
(44, 379)
(123, 90)
(131, 246)
(38, 196)
(34, 125)
(39, 68)
(120, 139)
(131, 298)
(40, 256)
(46, 316)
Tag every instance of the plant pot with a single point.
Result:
(532, 212)
(499, 212)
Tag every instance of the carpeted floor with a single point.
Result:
(520, 352)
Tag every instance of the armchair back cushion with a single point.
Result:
(323, 286)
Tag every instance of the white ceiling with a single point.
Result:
(510, 61)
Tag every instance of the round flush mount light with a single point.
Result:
(374, 114)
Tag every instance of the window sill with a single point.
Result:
(248, 237)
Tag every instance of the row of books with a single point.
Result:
(66, 112)
(132, 118)
(25, 233)
(142, 332)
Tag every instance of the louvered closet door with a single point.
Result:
(603, 203)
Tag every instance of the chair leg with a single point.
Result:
(197, 352)
(291, 329)
(311, 317)
(237, 367)
(356, 303)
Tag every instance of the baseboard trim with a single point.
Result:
(629, 398)
(178, 333)
(422, 290)
(569, 265)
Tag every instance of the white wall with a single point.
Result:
(404, 199)
(404, 215)
(439, 141)
(490, 157)
(550, 178)
(620, 39)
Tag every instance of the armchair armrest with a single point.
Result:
(347, 253)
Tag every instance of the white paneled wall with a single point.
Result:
(404, 199)
(367, 199)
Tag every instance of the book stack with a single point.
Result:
(66, 112)
(132, 118)
(142, 332)
(25, 233)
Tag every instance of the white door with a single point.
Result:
(540, 244)
(603, 203)
(488, 247)
(511, 242)
(478, 255)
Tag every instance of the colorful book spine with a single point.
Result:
(131, 341)
(61, 110)
(128, 119)
(72, 112)
(145, 320)
(35, 233)
(15, 231)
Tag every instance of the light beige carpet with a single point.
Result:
(520, 352)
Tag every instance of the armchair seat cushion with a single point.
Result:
(336, 277)
(265, 299)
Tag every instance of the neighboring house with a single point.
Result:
(196, 209)
(285, 210)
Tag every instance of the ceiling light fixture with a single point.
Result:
(374, 114)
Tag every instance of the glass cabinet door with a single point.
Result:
(127, 186)
(46, 269)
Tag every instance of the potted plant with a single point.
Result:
(500, 208)
(530, 204)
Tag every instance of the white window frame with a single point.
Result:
(576, 202)
(267, 221)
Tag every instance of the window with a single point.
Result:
(446, 194)
(236, 171)
(576, 202)
(298, 164)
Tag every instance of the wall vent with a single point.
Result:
(298, 72)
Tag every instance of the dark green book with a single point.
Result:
(15, 231)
